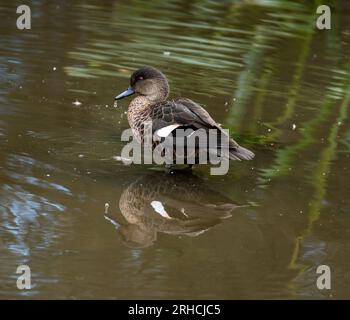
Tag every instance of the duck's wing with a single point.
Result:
(180, 112)
(199, 115)
(184, 112)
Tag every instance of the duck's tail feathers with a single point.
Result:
(240, 153)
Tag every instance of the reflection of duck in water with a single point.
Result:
(169, 204)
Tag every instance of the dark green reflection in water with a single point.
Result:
(260, 68)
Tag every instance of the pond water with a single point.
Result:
(262, 70)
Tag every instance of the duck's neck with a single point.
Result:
(138, 105)
(138, 113)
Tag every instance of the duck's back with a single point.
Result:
(180, 112)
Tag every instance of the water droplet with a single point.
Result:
(76, 102)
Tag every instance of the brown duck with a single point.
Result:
(179, 204)
(166, 116)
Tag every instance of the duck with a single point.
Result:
(180, 205)
(166, 117)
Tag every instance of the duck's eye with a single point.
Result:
(140, 78)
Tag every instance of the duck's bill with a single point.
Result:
(126, 93)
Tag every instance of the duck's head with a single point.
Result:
(148, 82)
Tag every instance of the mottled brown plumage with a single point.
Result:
(180, 204)
(152, 105)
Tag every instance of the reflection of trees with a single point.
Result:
(317, 144)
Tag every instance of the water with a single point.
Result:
(259, 67)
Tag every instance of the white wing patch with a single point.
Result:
(164, 132)
(159, 208)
